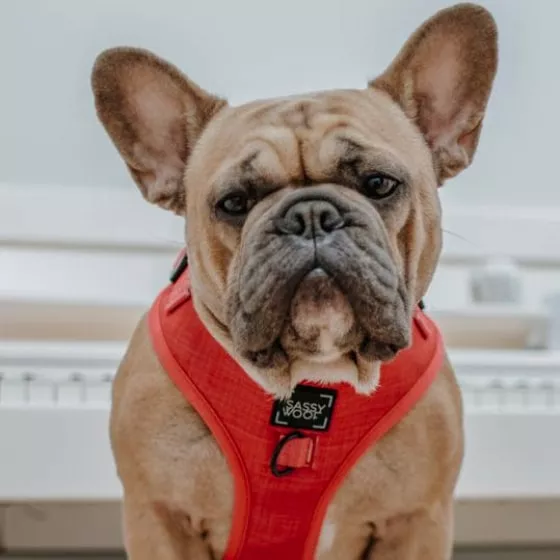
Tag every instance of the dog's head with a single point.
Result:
(313, 222)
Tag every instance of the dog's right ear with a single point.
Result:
(154, 115)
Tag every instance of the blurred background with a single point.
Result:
(82, 256)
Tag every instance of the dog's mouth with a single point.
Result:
(323, 338)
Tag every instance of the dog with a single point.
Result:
(358, 172)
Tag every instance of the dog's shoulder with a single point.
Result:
(418, 461)
(151, 421)
(166, 456)
(431, 438)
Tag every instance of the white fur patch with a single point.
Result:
(341, 370)
(326, 538)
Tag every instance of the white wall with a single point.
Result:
(248, 48)
(57, 165)
(71, 264)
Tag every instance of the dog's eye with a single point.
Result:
(378, 186)
(235, 205)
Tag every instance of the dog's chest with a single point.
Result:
(186, 470)
(203, 487)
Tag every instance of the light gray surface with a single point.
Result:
(512, 554)
(529, 554)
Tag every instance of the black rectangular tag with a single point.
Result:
(308, 408)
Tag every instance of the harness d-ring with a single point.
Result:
(275, 469)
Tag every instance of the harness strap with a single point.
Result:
(286, 468)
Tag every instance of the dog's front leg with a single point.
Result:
(152, 532)
(426, 535)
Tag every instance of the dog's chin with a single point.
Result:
(321, 320)
(322, 338)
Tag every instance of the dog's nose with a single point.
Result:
(311, 219)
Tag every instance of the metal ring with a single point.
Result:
(276, 470)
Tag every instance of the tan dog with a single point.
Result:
(356, 174)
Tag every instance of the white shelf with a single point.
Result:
(492, 326)
(54, 417)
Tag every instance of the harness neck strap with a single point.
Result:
(287, 458)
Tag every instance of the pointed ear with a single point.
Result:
(442, 79)
(154, 116)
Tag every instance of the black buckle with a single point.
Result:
(180, 267)
(276, 470)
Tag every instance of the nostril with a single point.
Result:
(293, 223)
(330, 221)
(299, 224)
(310, 218)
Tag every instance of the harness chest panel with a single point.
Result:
(287, 458)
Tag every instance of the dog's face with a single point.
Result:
(313, 222)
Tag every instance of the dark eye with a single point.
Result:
(235, 205)
(378, 186)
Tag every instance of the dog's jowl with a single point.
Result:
(285, 397)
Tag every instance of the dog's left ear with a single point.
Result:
(442, 79)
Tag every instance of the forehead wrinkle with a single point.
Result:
(297, 115)
(246, 164)
(381, 159)
(263, 160)
(284, 143)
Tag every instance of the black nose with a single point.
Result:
(311, 218)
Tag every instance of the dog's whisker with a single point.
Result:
(462, 238)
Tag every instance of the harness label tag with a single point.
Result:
(307, 408)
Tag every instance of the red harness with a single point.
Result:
(287, 458)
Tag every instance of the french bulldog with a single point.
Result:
(326, 294)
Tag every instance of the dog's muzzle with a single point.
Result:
(317, 255)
